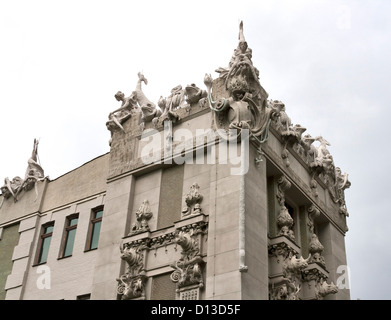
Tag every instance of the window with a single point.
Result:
(44, 243)
(170, 204)
(94, 229)
(84, 297)
(69, 235)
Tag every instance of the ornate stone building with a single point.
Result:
(209, 193)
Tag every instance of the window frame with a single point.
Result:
(67, 229)
(40, 244)
(91, 227)
(86, 296)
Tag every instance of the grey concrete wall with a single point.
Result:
(9, 237)
(255, 281)
(118, 206)
(223, 278)
(28, 203)
(335, 256)
(83, 182)
(70, 276)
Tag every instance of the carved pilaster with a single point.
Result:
(284, 219)
(315, 248)
(189, 267)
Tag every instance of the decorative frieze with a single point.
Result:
(187, 235)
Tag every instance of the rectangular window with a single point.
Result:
(94, 229)
(69, 235)
(44, 242)
(170, 204)
(163, 288)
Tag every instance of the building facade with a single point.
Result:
(207, 194)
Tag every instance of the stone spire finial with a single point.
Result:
(241, 34)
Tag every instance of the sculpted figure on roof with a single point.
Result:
(246, 107)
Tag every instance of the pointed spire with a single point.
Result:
(241, 34)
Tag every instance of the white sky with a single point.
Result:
(61, 62)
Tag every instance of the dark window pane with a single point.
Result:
(43, 255)
(49, 229)
(69, 242)
(73, 222)
(95, 235)
(98, 214)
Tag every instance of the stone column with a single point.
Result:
(223, 278)
(255, 280)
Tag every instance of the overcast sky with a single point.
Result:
(61, 62)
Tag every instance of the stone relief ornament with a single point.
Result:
(143, 215)
(285, 224)
(195, 95)
(285, 291)
(240, 63)
(292, 273)
(120, 115)
(337, 183)
(291, 138)
(148, 109)
(290, 285)
(169, 104)
(34, 170)
(323, 289)
(316, 249)
(322, 163)
(188, 269)
(246, 107)
(131, 285)
(34, 173)
(129, 105)
(309, 149)
(293, 266)
(313, 213)
(11, 188)
(284, 219)
(193, 201)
